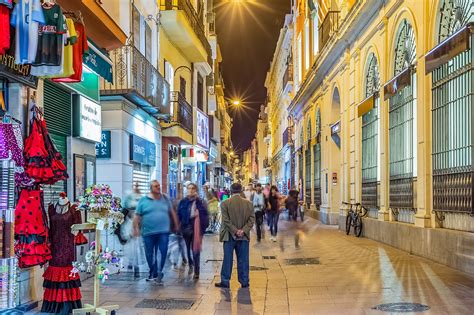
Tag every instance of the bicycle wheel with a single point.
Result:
(358, 226)
(348, 223)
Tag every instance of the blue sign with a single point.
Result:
(103, 148)
(142, 151)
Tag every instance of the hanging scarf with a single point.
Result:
(197, 239)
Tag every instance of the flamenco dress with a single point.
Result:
(31, 231)
(11, 147)
(62, 291)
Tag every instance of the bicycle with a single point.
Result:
(354, 217)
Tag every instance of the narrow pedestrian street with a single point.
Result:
(331, 273)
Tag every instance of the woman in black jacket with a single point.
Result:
(194, 220)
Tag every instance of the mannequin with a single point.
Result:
(62, 206)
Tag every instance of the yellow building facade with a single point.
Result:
(383, 111)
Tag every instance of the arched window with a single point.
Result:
(402, 125)
(452, 116)
(371, 136)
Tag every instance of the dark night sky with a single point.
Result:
(248, 33)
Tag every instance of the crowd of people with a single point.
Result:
(173, 230)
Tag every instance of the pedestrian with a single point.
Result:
(292, 203)
(258, 201)
(238, 218)
(248, 193)
(133, 249)
(177, 245)
(194, 219)
(213, 206)
(273, 211)
(152, 220)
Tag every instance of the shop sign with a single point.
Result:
(103, 148)
(213, 151)
(15, 72)
(202, 156)
(98, 61)
(89, 86)
(142, 151)
(88, 119)
(202, 129)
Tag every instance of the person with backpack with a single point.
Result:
(152, 221)
(194, 218)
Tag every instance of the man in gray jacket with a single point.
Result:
(238, 218)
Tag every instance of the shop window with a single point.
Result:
(371, 137)
(84, 173)
(142, 176)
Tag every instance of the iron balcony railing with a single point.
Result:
(138, 80)
(329, 26)
(182, 111)
(288, 75)
(193, 18)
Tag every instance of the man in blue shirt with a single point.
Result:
(152, 221)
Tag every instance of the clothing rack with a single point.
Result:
(94, 308)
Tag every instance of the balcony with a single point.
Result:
(185, 30)
(328, 28)
(136, 79)
(288, 78)
(181, 125)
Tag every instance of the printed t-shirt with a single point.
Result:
(154, 214)
(71, 40)
(79, 49)
(26, 17)
(4, 29)
(51, 35)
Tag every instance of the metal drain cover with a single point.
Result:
(302, 261)
(257, 268)
(401, 307)
(269, 257)
(166, 304)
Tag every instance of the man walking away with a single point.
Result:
(238, 218)
(259, 207)
(152, 220)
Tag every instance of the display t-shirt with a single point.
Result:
(71, 40)
(79, 50)
(26, 17)
(154, 215)
(51, 36)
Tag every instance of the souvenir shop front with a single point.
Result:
(49, 118)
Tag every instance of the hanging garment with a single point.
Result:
(51, 36)
(62, 291)
(79, 50)
(71, 40)
(43, 161)
(31, 230)
(25, 17)
(4, 29)
(11, 147)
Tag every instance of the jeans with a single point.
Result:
(194, 258)
(258, 224)
(242, 252)
(152, 244)
(273, 217)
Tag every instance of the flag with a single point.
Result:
(187, 153)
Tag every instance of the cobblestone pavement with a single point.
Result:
(343, 275)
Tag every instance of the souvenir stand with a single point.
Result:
(91, 308)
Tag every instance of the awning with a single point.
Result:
(100, 26)
(402, 80)
(449, 48)
(366, 105)
(98, 61)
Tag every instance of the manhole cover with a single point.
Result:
(269, 257)
(213, 260)
(256, 268)
(166, 304)
(302, 261)
(401, 307)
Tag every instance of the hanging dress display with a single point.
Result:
(31, 230)
(11, 147)
(43, 161)
(61, 286)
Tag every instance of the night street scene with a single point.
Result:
(248, 157)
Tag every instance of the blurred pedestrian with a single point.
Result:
(152, 220)
(258, 201)
(291, 203)
(213, 206)
(248, 193)
(194, 219)
(238, 218)
(177, 245)
(273, 211)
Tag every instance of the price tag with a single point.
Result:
(100, 225)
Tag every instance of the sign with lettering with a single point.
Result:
(142, 151)
(88, 119)
(103, 148)
(15, 72)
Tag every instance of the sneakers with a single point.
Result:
(151, 278)
(273, 238)
(221, 285)
(196, 276)
(191, 270)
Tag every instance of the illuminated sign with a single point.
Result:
(88, 119)
(202, 129)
